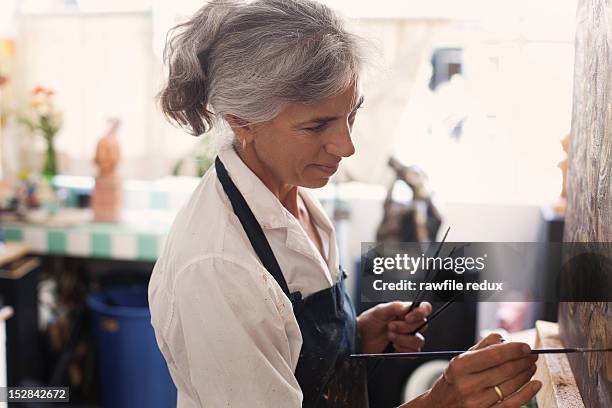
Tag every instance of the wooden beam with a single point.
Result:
(559, 388)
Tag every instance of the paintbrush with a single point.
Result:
(445, 354)
(417, 299)
(436, 313)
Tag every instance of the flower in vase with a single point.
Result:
(45, 119)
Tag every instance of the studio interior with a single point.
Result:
(485, 127)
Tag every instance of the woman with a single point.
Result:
(247, 299)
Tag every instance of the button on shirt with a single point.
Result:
(223, 324)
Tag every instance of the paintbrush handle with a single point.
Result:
(570, 350)
(417, 299)
(436, 313)
(453, 353)
(428, 354)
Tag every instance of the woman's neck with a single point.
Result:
(287, 194)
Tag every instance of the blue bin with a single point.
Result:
(132, 370)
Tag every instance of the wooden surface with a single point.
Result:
(589, 210)
(13, 251)
(559, 388)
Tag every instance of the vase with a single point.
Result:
(50, 165)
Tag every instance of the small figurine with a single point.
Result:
(106, 197)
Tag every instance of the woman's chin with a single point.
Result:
(316, 182)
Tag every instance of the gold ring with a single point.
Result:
(499, 393)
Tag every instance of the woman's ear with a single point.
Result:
(241, 128)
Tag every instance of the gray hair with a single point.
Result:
(250, 60)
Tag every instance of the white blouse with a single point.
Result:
(223, 324)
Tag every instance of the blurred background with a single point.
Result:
(472, 99)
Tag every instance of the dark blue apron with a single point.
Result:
(327, 377)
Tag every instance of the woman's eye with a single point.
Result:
(317, 128)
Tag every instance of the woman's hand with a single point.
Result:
(471, 378)
(389, 322)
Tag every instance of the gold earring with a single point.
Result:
(244, 143)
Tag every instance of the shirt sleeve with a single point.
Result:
(235, 336)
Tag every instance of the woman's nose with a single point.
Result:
(341, 144)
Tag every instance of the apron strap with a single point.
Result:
(252, 228)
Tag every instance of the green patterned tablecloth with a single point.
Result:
(121, 241)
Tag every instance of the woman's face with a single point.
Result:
(304, 144)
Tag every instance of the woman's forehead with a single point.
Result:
(337, 105)
(345, 101)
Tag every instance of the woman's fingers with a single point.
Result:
(488, 357)
(491, 339)
(411, 321)
(426, 307)
(406, 343)
(489, 396)
(417, 315)
(474, 378)
(498, 375)
(406, 327)
(522, 397)
(470, 380)
(400, 331)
